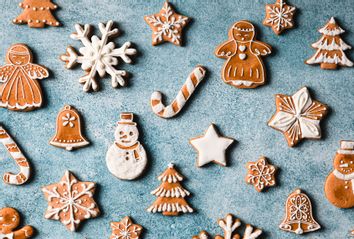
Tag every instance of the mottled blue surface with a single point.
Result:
(241, 114)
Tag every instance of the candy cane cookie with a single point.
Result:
(20, 159)
(193, 80)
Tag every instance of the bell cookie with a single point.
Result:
(260, 174)
(68, 130)
(126, 158)
(19, 88)
(166, 25)
(339, 186)
(125, 229)
(9, 221)
(244, 67)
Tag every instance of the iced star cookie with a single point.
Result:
(298, 116)
(260, 174)
(211, 147)
(9, 221)
(125, 229)
(166, 25)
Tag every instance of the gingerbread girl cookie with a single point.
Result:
(244, 67)
(9, 221)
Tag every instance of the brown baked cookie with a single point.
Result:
(9, 221)
(260, 174)
(125, 229)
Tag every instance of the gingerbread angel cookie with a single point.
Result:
(244, 67)
(9, 221)
(339, 187)
(19, 89)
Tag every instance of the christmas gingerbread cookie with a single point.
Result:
(330, 48)
(9, 221)
(339, 187)
(244, 67)
(171, 194)
(125, 229)
(37, 13)
(68, 130)
(166, 25)
(19, 89)
(260, 174)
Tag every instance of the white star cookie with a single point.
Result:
(211, 147)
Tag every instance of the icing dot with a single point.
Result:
(34, 9)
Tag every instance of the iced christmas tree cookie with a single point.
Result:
(260, 174)
(339, 187)
(330, 48)
(125, 229)
(9, 221)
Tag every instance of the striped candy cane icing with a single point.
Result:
(193, 80)
(16, 154)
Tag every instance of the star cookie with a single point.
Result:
(70, 201)
(125, 229)
(260, 174)
(298, 116)
(166, 25)
(211, 147)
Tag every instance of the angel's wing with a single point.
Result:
(260, 48)
(36, 71)
(226, 49)
(6, 72)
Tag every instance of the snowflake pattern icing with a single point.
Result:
(279, 16)
(68, 120)
(260, 174)
(125, 229)
(98, 56)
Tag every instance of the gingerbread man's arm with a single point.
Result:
(25, 232)
(260, 48)
(226, 49)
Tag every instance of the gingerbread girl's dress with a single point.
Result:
(244, 67)
(19, 89)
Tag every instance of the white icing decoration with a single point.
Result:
(211, 147)
(331, 32)
(68, 120)
(346, 147)
(346, 177)
(279, 16)
(7, 236)
(98, 55)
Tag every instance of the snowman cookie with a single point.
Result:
(9, 221)
(339, 187)
(126, 158)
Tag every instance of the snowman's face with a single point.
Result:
(344, 163)
(126, 134)
(9, 220)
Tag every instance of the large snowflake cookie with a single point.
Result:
(99, 56)
(298, 116)
(166, 25)
(70, 201)
(125, 229)
(260, 174)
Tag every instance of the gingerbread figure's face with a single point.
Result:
(18, 54)
(243, 31)
(19, 59)
(344, 163)
(126, 134)
(9, 220)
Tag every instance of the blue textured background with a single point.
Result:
(241, 114)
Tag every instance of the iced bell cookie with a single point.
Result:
(339, 187)
(260, 174)
(9, 221)
(125, 229)
(244, 67)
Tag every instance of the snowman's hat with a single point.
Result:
(346, 147)
(126, 118)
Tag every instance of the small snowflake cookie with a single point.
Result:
(125, 229)
(166, 25)
(70, 201)
(260, 174)
(298, 116)
(99, 56)
(9, 221)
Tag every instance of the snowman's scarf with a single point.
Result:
(345, 177)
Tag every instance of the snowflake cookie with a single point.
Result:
(298, 116)
(229, 225)
(166, 25)
(125, 229)
(70, 201)
(99, 56)
(9, 221)
(260, 174)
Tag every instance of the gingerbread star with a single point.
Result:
(260, 174)
(125, 229)
(166, 25)
(70, 201)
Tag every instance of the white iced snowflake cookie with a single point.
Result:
(99, 56)
(126, 158)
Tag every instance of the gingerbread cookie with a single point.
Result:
(99, 56)
(211, 147)
(193, 80)
(126, 158)
(229, 225)
(260, 174)
(171, 194)
(19, 89)
(339, 187)
(166, 25)
(330, 48)
(125, 229)
(9, 221)
(298, 116)
(279, 16)
(70, 201)
(68, 130)
(299, 218)
(244, 67)
(37, 13)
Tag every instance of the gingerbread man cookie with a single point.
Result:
(125, 229)
(9, 221)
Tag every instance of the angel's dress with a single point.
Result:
(20, 90)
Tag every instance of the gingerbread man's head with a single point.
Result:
(9, 220)
(242, 31)
(344, 160)
(18, 54)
